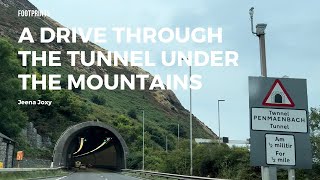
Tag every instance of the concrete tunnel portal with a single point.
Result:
(94, 144)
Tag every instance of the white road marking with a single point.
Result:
(61, 178)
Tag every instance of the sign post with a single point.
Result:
(20, 155)
(279, 124)
(278, 97)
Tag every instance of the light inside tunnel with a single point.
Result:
(80, 147)
(97, 148)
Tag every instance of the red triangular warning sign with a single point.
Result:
(278, 96)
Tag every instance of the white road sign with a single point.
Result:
(279, 123)
(280, 149)
(284, 120)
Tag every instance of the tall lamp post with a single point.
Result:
(191, 166)
(190, 100)
(178, 135)
(143, 140)
(220, 100)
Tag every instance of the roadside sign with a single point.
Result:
(280, 149)
(288, 120)
(278, 96)
(279, 125)
(20, 155)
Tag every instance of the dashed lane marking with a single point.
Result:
(61, 178)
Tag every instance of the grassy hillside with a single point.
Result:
(119, 108)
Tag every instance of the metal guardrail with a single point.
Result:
(167, 175)
(27, 169)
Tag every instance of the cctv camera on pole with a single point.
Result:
(260, 33)
(267, 173)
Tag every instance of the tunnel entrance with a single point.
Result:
(92, 143)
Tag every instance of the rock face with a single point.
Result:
(10, 155)
(35, 139)
(6, 151)
(3, 150)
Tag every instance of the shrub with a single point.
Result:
(98, 100)
(133, 114)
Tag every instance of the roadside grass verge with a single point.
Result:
(38, 174)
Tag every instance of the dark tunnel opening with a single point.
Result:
(93, 144)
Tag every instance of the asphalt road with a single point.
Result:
(94, 175)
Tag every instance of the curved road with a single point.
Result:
(94, 175)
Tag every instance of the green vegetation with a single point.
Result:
(133, 114)
(14, 175)
(12, 117)
(98, 100)
(211, 160)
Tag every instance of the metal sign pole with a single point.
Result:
(266, 172)
(291, 174)
(274, 144)
(262, 44)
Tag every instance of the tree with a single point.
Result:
(100, 100)
(12, 118)
(315, 135)
(133, 114)
(313, 173)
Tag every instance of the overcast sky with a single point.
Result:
(292, 41)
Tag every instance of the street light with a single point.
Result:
(220, 100)
(143, 140)
(142, 137)
(190, 116)
(166, 144)
(142, 109)
(191, 166)
(178, 135)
